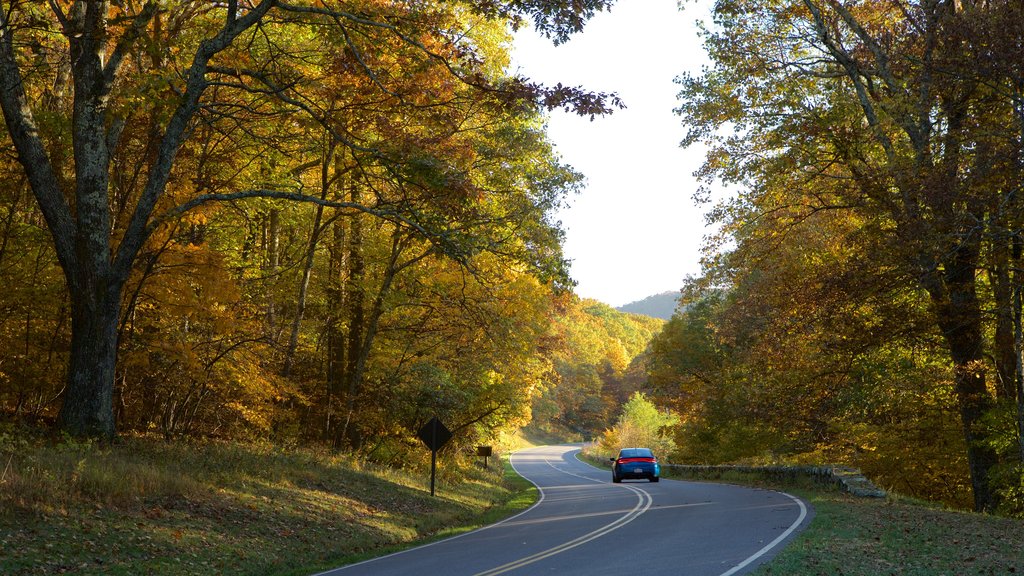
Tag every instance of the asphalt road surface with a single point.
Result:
(584, 524)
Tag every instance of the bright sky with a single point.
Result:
(634, 231)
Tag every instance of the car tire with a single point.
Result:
(655, 478)
(616, 479)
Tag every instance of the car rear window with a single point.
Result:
(635, 453)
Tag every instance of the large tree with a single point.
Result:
(73, 74)
(892, 111)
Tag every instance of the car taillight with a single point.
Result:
(628, 460)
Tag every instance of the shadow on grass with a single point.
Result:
(219, 508)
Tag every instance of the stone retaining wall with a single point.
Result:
(848, 479)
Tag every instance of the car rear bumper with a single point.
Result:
(640, 470)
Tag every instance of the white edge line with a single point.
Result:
(762, 551)
(429, 544)
(773, 543)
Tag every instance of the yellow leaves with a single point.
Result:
(195, 218)
(260, 419)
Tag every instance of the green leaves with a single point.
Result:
(873, 202)
(431, 243)
(641, 424)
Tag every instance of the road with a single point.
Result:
(583, 524)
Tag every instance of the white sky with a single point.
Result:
(634, 231)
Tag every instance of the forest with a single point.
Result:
(322, 223)
(861, 299)
(314, 222)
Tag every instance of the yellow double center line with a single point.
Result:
(644, 501)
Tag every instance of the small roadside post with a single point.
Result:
(435, 435)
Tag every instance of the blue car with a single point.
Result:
(636, 463)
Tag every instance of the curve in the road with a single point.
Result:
(644, 502)
(632, 515)
(584, 524)
(771, 545)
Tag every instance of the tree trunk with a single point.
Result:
(1004, 344)
(82, 237)
(337, 294)
(273, 262)
(300, 304)
(1018, 346)
(336, 341)
(88, 401)
(355, 300)
(307, 270)
(1018, 276)
(959, 318)
(362, 342)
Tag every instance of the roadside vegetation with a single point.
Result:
(145, 506)
(868, 537)
(862, 288)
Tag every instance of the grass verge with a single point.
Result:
(851, 536)
(144, 506)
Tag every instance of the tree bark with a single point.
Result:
(355, 302)
(271, 270)
(303, 294)
(88, 401)
(1004, 344)
(310, 257)
(336, 336)
(1018, 348)
(959, 318)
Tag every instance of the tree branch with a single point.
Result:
(174, 135)
(32, 155)
(128, 38)
(438, 238)
(853, 72)
(280, 92)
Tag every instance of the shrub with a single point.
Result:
(641, 423)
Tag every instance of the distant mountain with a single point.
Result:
(657, 306)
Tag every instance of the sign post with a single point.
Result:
(435, 435)
(484, 451)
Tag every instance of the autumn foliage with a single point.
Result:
(862, 302)
(311, 221)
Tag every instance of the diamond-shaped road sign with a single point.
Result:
(434, 434)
